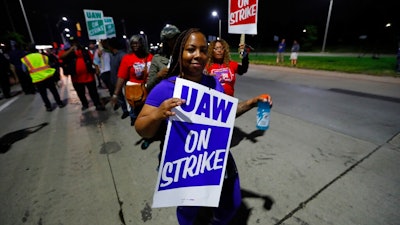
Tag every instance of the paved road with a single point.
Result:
(72, 167)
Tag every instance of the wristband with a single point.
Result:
(115, 96)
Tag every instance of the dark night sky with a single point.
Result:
(284, 18)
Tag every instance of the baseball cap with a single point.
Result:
(168, 32)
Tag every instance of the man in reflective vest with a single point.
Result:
(41, 73)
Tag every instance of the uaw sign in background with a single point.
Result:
(95, 24)
(243, 16)
(110, 27)
(196, 147)
(99, 26)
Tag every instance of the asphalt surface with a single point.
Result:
(69, 167)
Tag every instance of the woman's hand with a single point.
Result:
(150, 117)
(265, 98)
(165, 109)
(114, 100)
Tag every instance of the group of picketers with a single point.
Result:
(184, 54)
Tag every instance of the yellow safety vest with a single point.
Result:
(38, 66)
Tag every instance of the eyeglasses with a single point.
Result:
(219, 49)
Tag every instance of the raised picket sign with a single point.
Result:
(110, 27)
(243, 17)
(95, 24)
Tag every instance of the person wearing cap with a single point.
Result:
(41, 72)
(133, 70)
(220, 65)
(159, 64)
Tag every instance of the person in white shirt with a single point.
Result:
(102, 63)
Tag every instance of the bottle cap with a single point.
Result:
(265, 96)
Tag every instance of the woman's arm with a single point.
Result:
(69, 51)
(117, 90)
(245, 106)
(242, 69)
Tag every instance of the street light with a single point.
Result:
(62, 32)
(26, 21)
(215, 14)
(144, 36)
(327, 25)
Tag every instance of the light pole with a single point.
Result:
(26, 21)
(61, 32)
(215, 14)
(327, 25)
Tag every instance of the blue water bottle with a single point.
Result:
(263, 113)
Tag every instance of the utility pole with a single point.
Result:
(327, 25)
(26, 21)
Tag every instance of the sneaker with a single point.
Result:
(145, 144)
(100, 108)
(116, 107)
(49, 109)
(124, 115)
(61, 105)
(84, 108)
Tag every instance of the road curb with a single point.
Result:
(384, 79)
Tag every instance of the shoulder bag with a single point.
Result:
(136, 94)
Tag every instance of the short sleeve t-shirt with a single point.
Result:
(131, 68)
(82, 74)
(165, 89)
(226, 76)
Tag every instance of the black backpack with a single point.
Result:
(88, 61)
(69, 63)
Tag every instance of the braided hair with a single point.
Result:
(176, 60)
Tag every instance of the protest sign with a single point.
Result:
(197, 142)
(95, 24)
(243, 16)
(110, 27)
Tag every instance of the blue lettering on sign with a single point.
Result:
(194, 156)
(208, 106)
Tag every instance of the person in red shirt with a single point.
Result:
(82, 73)
(220, 65)
(133, 69)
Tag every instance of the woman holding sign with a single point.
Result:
(221, 66)
(189, 59)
